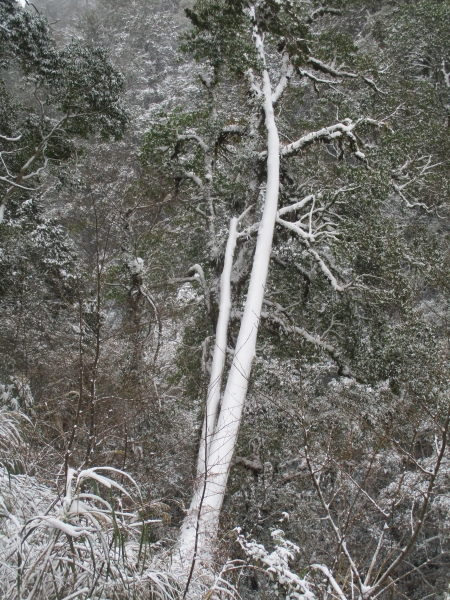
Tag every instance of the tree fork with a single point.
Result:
(226, 430)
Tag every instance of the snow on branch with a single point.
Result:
(316, 340)
(372, 84)
(287, 70)
(247, 233)
(317, 222)
(323, 10)
(276, 563)
(296, 229)
(404, 178)
(315, 79)
(318, 65)
(255, 88)
(446, 74)
(10, 139)
(326, 271)
(199, 275)
(233, 129)
(222, 588)
(16, 181)
(196, 138)
(327, 135)
(193, 177)
(17, 185)
(253, 463)
(296, 206)
(334, 584)
(314, 223)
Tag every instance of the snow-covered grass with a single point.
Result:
(76, 545)
(82, 543)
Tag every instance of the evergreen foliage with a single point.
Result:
(114, 250)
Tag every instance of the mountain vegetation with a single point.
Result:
(224, 294)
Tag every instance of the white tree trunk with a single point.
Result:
(199, 531)
(220, 349)
(189, 526)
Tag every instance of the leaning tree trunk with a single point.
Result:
(220, 431)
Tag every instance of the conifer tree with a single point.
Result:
(64, 94)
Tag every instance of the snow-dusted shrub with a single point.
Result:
(76, 545)
(276, 564)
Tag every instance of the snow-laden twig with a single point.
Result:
(287, 70)
(326, 571)
(193, 177)
(331, 70)
(276, 564)
(17, 185)
(404, 179)
(22, 175)
(446, 74)
(323, 10)
(199, 275)
(343, 130)
(315, 221)
(255, 88)
(372, 84)
(10, 139)
(316, 79)
(337, 73)
(326, 134)
(316, 340)
(327, 272)
(221, 588)
(194, 137)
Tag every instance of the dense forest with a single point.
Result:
(224, 299)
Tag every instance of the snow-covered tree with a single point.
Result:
(295, 161)
(64, 93)
(251, 319)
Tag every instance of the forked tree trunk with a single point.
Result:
(220, 429)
